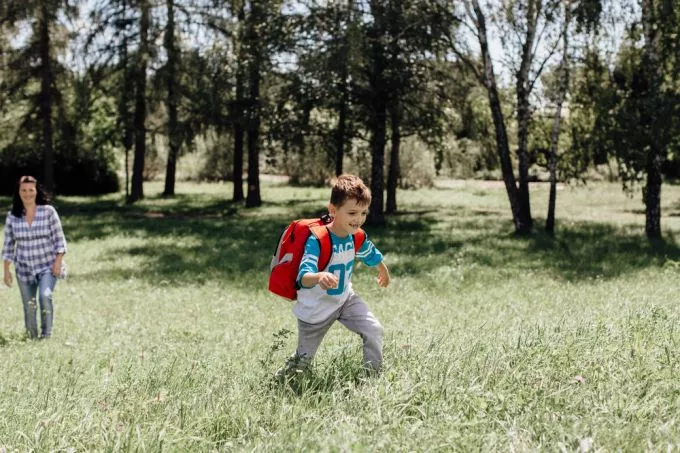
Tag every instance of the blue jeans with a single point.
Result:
(44, 285)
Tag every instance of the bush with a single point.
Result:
(217, 151)
(415, 159)
(76, 171)
(417, 164)
(465, 158)
(314, 168)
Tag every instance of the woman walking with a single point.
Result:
(35, 243)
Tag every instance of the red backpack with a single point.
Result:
(286, 261)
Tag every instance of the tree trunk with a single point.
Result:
(653, 196)
(124, 117)
(654, 73)
(393, 174)
(239, 112)
(137, 188)
(341, 130)
(378, 115)
(343, 88)
(239, 134)
(524, 112)
(46, 84)
(555, 136)
(253, 198)
(377, 143)
(174, 138)
(502, 146)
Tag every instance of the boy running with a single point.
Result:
(326, 295)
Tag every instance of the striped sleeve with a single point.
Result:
(369, 254)
(57, 232)
(8, 245)
(310, 260)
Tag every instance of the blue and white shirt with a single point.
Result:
(33, 248)
(315, 305)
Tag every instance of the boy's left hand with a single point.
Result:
(383, 275)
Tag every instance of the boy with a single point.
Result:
(326, 295)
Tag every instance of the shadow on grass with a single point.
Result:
(217, 239)
(579, 251)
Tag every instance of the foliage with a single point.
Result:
(78, 170)
(610, 110)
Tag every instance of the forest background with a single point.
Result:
(100, 95)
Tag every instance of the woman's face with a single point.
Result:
(27, 193)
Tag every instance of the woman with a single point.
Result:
(35, 243)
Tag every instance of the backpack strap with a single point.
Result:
(325, 246)
(359, 239)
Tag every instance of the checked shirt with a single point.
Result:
(34, 248)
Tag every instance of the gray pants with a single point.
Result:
(353, 314)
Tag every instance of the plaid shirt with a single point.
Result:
(34, 248)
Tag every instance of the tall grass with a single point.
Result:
(166, 338)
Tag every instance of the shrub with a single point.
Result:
(76, 171)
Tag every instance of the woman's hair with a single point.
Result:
(41, 198)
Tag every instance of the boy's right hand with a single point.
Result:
(327, 280)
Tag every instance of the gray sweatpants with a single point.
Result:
(353, 314)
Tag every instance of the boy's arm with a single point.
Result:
(309, 275)
(325, 280)
(371, 256)
(383, 275)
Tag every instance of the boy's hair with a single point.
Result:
(348, 187)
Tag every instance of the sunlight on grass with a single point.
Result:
(166, 337)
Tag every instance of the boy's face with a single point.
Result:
(348, 217)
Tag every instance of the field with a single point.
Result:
(166, 338)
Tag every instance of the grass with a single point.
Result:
(166, 338)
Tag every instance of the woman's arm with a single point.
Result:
(7, 275)
(57, 234)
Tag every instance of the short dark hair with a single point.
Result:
(42, 197)
(348, 187)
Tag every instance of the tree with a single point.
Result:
(253, 42)
(171, 76)
(658, 17)
(230, 83)
(587, 14)
(139, 119)
(563, 85)
(634, 107)
(523, 25)
(112, 59)
(239, 116)
(487, 76)
(37, 62)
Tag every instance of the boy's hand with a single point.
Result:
(383, 275)
(327, 280)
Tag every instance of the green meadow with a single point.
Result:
(166, 338)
